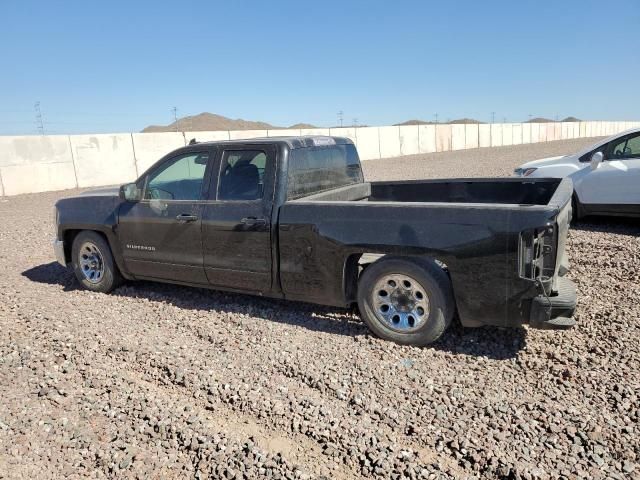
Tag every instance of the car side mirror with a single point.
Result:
(596, 160)
(130, 192)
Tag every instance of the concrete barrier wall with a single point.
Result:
(458, 137)
(443, 138)
(103, 159)
(369, 139)
(484, 134)
(150, 147)
(409, 140)
(427, 137)
(471, 136)
(30, 164)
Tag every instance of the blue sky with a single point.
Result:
(119, 66)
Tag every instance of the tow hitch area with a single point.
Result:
(555, 311)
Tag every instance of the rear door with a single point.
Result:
(236, 223)
(615, 184)
(160, 235)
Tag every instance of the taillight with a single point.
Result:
(536, 253)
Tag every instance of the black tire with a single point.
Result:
(430, 278)
(88, 245)
(576, 211)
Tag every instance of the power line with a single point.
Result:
(340, 117)
(175, 117)
(39, 123)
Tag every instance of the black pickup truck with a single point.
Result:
(293, 218)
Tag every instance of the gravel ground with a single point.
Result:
(160, 381)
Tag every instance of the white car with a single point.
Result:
(606, 176)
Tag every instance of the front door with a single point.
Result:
(616, 182)
(236, 224)
(161, 234)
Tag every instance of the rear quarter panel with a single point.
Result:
(477, 242)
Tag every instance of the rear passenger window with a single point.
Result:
(317, 169)
(242, 175)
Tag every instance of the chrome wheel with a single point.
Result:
(400, 302)
(91, 262)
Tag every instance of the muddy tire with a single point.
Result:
(93, 262)
(405, 300)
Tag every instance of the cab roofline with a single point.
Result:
(291, 141)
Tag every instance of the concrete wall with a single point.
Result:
(458, 139)
(443, 138)
(103, 159)
(369, 138)
(427, 138)
(150, 147)
(409, 140)
(30, 164)
(484, 135)
(471, 136)
(389, 141)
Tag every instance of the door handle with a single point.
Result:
(253, 221)
(186, 218)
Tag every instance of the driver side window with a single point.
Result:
(628, 147)
(179, 179)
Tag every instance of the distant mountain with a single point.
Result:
(540, 120)
(466, 120)
(422, 122)
(413, 122)
(206, 122)
(548, 120)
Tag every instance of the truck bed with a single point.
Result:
(506, 191)
(473, 226)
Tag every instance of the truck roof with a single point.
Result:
(291, 141)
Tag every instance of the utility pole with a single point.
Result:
(436, 115)
(39, 122)
(175, 117)
(340, 117)
(355, 122)
(493, 117)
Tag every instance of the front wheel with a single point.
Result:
(93, 262)
(406, 301)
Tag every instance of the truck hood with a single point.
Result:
(101, 192)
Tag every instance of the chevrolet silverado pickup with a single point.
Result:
(293, 218)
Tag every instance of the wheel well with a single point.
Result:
(70, 236)
(356, 263)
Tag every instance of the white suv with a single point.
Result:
(606, 176)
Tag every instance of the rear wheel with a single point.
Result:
(408, 302)
(93, 262)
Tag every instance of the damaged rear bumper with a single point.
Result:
(556, 311)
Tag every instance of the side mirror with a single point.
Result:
(596, 160)
(130, 192)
